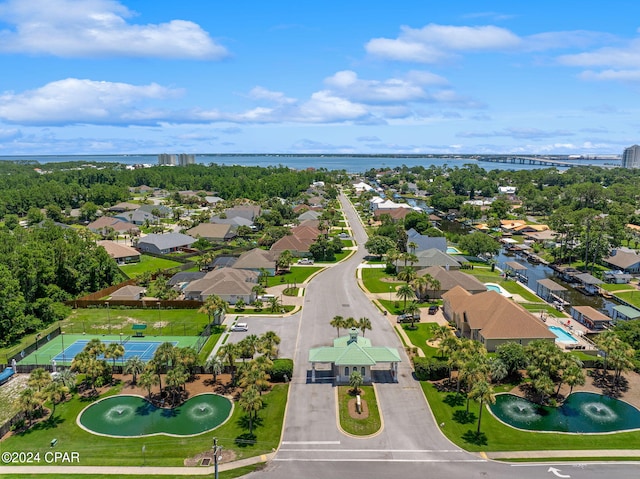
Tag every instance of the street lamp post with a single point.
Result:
(390, 288)
(216, 449)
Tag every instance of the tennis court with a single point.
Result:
(64, 348)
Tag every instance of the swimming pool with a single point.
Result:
(453, 250)
(498, 289)
(562, 335)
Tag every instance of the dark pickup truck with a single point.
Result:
(407, 318)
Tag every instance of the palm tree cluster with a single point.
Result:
(617, 354)
(92, 361)
(215, 307)
(43, 388)
(265, 345)
(340, 322)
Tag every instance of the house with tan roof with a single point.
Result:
(492, 319)
(530, 228)
(123, 254)
(449, 280)
(624, 259)
(256, 260)
(297, 246)
(230, 284)
(215, 232)
(106, 224)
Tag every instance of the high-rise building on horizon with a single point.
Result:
(166, 159)
(631, 157)
(185, 159)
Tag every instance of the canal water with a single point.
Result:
(536, 272)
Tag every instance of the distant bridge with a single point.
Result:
(528, 160)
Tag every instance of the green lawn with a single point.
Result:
(617, 287)
(297, 275)
(516, 288)
(147, 263)
(373, 280)
(356, 426)
(632, 297)
(390, 305)
(160, 450)
(500, 437)
(549, 310)
(420, 336)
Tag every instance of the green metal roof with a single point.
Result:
(347, 352)
(353, 355)
(628, 311)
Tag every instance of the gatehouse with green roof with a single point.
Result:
(354, 353)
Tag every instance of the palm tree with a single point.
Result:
(573, 376)
(411, 246)
(134, 366)
(274, 304)
(39, 379)
(250, 402)
(67, 378)
(56, 393)
(162, 359)
(483, 392)
(269, 344)
(175, 379)
(214, 364)
(420, 284)
(95, 347)
(148, 379)
(255, 376)
(413, 310)
(114, 351)
(364, 324)
(405, 292)
(338, 322)
(355, 381)
(228, 352)
(187, 357)
(407, 275)
(264, 276)
(28, 403)
(284, 260)
(214, 306)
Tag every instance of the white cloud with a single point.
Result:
(516, 133)
(434, 43)
(82, 101)
(95, 28)
(346, 83)
(260, 93)
(614, 57)
(611, 75)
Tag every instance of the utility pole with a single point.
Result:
(216, 450)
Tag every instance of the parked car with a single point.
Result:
(240, 327)
(305, 261)
(408, 318)
(433, 309)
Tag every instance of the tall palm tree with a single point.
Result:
(148, 379)
(364, 324)
(67, 378)
(355, 381)
(254, 376)
(95, 347)
(114, 351)
(134, 366)
(28, 403)
(175, 379)
(405, 292)
(214, 364)
(407, 275)
(274, 304)
(214, 306)
(39, 379)
(284, 260)
(411, 246)
(229, 352)
(413, 310)
(269, 344)
(573, 376)
(250, 402)
(420, 284)
(483, 392)
(56, 393)
(187, 357)
(163, 357)
(338, 322)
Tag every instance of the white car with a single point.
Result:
(240, 327)
(305, 261)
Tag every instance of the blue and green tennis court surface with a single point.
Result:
(144, 348)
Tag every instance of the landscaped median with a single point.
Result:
(362, 421)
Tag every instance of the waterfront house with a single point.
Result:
(492, 319)
(626, 260)
(449, 279)
(430, 257)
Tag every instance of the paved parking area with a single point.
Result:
(285, 327)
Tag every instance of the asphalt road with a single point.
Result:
(410, 443)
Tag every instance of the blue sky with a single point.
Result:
(336, 76)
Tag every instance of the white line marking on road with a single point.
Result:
(312, 442)
(377, 460)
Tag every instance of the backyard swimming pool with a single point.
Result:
(453, 250)
(498, 289)
(562, 335)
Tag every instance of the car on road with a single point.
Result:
(240, 327)
(408, 318)
(305, 261)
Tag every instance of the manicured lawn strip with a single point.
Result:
(632, 297)
(420, 336)
(347, 243)
(160, 450)
(241, 471)
(617, 287)
(339, 257)
(97, 321)
(390, 306)
(147, 263)
(549, 310)
(372, 279)
(297, 275)
(359, 427)
(516, 288)
(504, 438)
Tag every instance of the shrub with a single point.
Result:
(430, 369)
(280, 369)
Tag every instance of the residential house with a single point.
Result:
(214, 232)
(616, 277)
(492, 319)
(449, 279)
(396, 214)
(362, 187)
(257, 260)
(309, 215)
(625, 313)
(128, 293)
(122, 207)
(183, 278)
(424, 242)
(107, 224)
(164, 243)
(624, 259)
(297, 246)
(430, 257)
(230, 284)
(123, 254)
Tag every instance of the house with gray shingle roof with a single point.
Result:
(625, 260)
(213, 231)
(449, 280)
(353, 353)
(230, 284)
(256, 260)
(430, 257)
(164, 243)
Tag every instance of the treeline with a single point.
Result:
(70, 185)
(40, 268)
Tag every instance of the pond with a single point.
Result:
(582, 412)
(134, 416)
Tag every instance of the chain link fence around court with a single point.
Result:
(157, 328)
